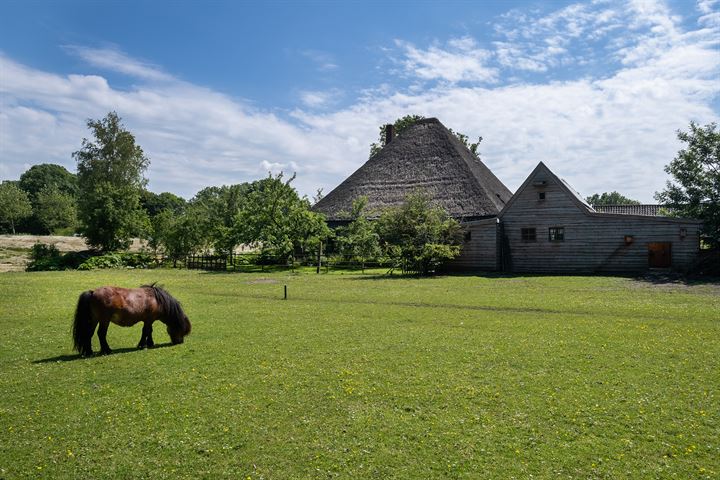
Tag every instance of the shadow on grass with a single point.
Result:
(253, 269)
(673, 278)
(408, 276)
(661, 278)
(116, 351)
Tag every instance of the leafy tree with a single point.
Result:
(306, 228)
(164, 211)
(696, 173)
(403, 123)
(55, 209)
(612, 198)
(46, 175)
(277, 219)
(154, 203)
(216, 208)
(14, 204)
(37, 178)
(178, 235)
(359, 239)
(418, 236)
(110, 177)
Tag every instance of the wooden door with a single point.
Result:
(659, 255)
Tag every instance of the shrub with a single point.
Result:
(109, 260)
(73, 260)
(44, 257)
(246, 259)
(419, 237)
(117, 260)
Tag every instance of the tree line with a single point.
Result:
(108, 203)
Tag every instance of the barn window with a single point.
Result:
(541, 195)
(468, 235)
(556, 234)
(528, 234)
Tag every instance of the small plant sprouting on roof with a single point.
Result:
(403, 123)
(399, 125)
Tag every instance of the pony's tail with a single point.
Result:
(82, 335)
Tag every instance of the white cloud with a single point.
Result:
(319, 98)
(324, 61)
(710, 10)
(113, 59)
(194, 136)
(460, 61)
(614, 132)
(536, 43)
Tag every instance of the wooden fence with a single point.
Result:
(253, 261)
(207, 262)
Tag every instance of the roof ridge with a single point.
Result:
(427, 120)
(472, 161)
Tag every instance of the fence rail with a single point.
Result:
(206, 262)
(255, 261)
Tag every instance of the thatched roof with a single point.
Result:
(426, 157)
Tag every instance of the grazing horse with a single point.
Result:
(126, 307)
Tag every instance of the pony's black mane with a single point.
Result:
(174, 314)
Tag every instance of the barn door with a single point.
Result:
(659, 255)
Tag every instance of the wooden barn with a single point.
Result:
(544, 227)
(547, 227)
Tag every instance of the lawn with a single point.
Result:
(356, 376)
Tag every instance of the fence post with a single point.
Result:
(319, 259)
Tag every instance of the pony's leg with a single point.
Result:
(150, 342)
(87, 347)
(102, 335)
(146, 336)
(143, 338)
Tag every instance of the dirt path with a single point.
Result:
(64, 244)
(15, 249)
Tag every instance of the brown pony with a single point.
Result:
(126, 307)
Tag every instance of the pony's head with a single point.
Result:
(172, 314)
(180, 330)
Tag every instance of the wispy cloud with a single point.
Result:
(613, 131)
(323, 61)
(194, 136)
(571, 35)
(113, 59)
(460, 60)
(710, 11)
(319, 98)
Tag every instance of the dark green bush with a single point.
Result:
(109, 260)
(118, 260)
(47, 257)
(246, 259)
(44, 257)
(72, 260)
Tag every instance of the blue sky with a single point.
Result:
(222, 92)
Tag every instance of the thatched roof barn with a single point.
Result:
(427, 157)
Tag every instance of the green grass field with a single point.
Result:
(358, 376)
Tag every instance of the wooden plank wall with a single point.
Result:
(480, 251)
(593, 242)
